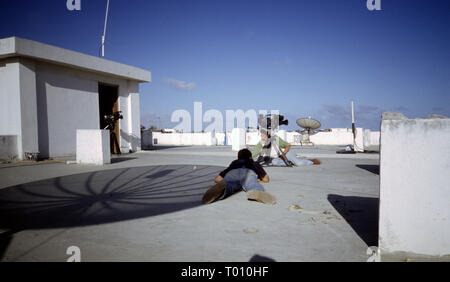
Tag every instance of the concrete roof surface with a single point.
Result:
(19, 47)
(146, 206)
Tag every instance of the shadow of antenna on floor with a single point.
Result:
(104, 196)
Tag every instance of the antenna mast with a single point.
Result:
(104, 30)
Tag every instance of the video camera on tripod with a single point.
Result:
(110, 121)
(268, 125)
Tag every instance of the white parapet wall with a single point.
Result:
(238, 139)
(93, 146)
(414, 216)
(252, 138)
(282, 134)
(147, 140)
(374, 138)
(359, 140)
(337, 136)
(185, 139)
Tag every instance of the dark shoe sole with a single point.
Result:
(214, 192)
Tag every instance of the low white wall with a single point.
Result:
(223, 138)
(93, 146)
(252, 138)
(238, 139)
(414, 189)
(338, 136)
(185, 139)
(374, 138)
(147, 140)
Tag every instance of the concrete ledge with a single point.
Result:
(93, 146)
(8, 147)
(16, 47)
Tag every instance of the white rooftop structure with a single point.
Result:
(47, 93)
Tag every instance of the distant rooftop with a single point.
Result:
(19, 47)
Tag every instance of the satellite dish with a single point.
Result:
(310, 125)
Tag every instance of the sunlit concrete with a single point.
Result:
(323, 213)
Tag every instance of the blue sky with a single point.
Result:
(303, 57)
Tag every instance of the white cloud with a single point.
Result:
(181, 85)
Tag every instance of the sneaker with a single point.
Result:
(316, 161)
(261, 196)
(214, 192)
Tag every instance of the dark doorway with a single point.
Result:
(108, 104)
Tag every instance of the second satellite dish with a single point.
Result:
(310, 126)
(308, 123)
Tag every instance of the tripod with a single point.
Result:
(272, 141)
(114, 144)
(111, 120)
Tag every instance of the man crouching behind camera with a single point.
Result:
(272, 150)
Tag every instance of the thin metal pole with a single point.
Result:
(353, 115)
(104, 29)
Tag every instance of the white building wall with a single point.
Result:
(414, 189)
(10, 117)
(125, 123)
(67, 101)
(135, 116)
(28, 103)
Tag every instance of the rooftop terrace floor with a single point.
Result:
(146, 206)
